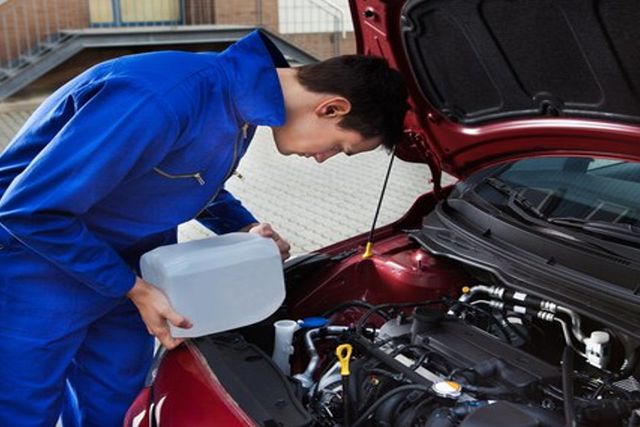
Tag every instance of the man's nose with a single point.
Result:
(321, 157)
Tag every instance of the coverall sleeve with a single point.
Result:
(115, 129)
(225, 214)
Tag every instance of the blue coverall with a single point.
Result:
(103, 171)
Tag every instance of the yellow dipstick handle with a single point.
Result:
(368, 251)
(344, 356)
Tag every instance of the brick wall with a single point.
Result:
(198, 12)
(262, 13)
(25, 23)
(250, 12)
(324, 45)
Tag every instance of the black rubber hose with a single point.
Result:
(495, 391)
(387, 411)
(357, 377)
(405, 416)
(567, 387)
(420, 410)
(440, 418)
(491, 317)
(411, 387)
(634, 420)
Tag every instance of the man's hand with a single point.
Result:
(155, 309)
(264, 229)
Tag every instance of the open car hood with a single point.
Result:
(496, 80)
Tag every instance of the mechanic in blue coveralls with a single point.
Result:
(105, 170)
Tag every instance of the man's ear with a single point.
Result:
(334, 107)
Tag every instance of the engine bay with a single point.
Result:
(479, 355)
(488, 358)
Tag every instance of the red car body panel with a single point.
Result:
(397, 272)
(186, 393)
(461, 150)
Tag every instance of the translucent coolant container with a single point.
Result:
(219, 283)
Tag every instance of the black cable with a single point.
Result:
(420, 361)
(349, 304)
(393, 375)
(384, 397)
(597, 391)
(567, 387)
(556, 393)
(514, 328)
(404, 347)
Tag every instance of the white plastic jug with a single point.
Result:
(219, 283)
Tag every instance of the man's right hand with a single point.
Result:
(156, 311)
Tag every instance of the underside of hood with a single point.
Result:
(495, 80)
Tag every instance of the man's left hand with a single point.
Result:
(265, 230)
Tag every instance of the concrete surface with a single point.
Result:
(310, 204)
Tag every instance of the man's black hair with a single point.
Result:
(377, 93)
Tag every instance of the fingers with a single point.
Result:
(165, 338)
(283, 245)
(164, 334)
(178, 320)
(264, 229)
(284, 248)
(156, 312)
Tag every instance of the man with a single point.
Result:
(106, 169)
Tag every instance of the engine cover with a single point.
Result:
(467, 346)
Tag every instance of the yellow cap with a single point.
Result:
(466, 289)
(368, 250)
(454, 385)
(344, 355)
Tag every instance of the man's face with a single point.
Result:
(316, 133)
(325, 142)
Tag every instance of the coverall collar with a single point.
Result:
(256, 90)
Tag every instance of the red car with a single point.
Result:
(510, 299)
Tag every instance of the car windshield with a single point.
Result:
(600, 196)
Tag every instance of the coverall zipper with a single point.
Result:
(197, 176)
(241, 136)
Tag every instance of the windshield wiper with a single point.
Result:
(521, 206)
(514, 197)
(620, 231)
